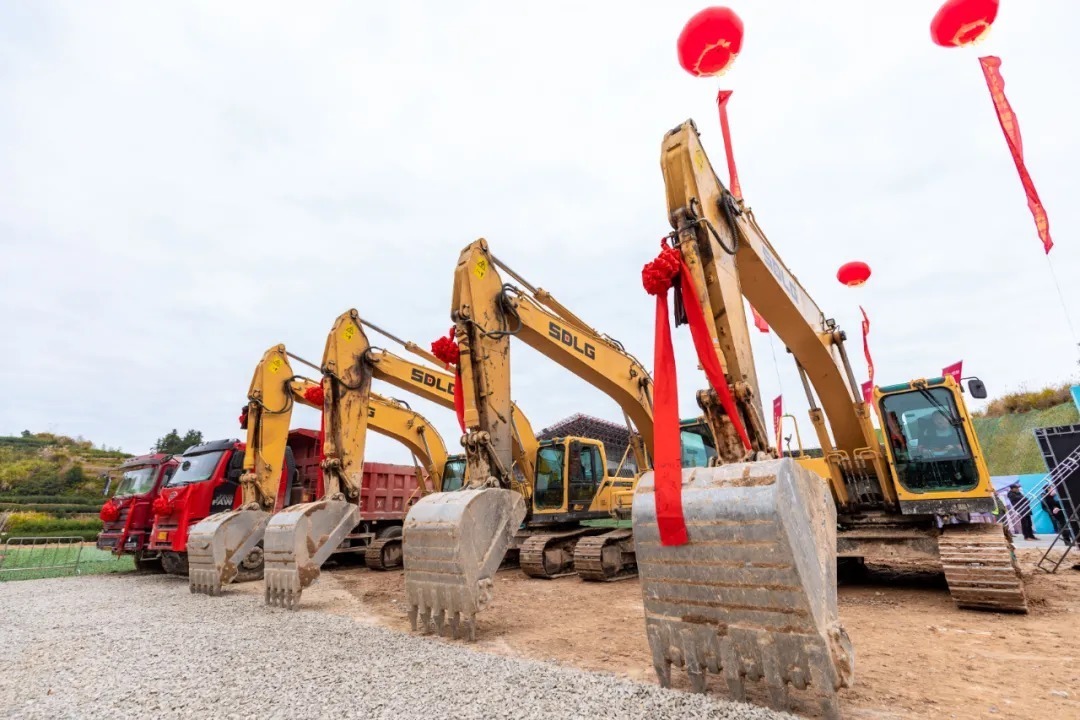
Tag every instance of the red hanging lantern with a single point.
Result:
(962, 22)
(853, 273)
(710, 41)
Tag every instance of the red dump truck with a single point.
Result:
(207, 481)
(127, 514)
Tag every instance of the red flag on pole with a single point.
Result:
(1007, 119)
(868, 392)
(955, 370)
(733, 176)
(865, 344)
(759, 322)
(777, 417)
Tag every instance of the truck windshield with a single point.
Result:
(136, 481)
(195, 468)
(453, 475)
(927, 438)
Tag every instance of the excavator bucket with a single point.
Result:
(218, 544)
(298, 541)
(752, 596)
(454, 543)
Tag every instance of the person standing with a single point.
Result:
(1023, 509)
(1052, 506)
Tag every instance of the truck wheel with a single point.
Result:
(389, 532)
(251, 567)
(148, 564)
(174, 563)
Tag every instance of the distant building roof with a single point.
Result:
(616, 437)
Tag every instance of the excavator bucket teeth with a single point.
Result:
(752, 595)
(298, 541)
(218, 544)
(454, 543)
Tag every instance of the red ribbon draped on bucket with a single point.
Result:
(657, 276)
(446, 349)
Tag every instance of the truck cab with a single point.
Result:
(127, 515)
(206, 481)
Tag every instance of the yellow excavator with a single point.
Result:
(454, 541)
(299, 540)
(221, 545)
(752, 595)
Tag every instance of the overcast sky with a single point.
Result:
(184, 185)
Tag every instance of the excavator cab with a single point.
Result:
(453, 473)
(572, 481)
(934, 455)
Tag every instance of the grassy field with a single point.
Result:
(30, 563)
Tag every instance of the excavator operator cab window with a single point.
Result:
(586, 472)
(548, 493)
(453, 475)
(928, 441)
(698, 448)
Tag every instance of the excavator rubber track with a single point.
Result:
(980, 566)
(454, 543)
(552, 554)
(607, 557)
(383, 554)
(752, 595)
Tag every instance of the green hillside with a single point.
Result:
(1009, 443)
(37, 464)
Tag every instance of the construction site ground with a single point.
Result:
(917, 656)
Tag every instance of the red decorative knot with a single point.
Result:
(446, 349)
(110, 512)
(243, 418)
(659, 274)
(314, 395)
(162, 506)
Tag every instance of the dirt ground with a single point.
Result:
(917, 656)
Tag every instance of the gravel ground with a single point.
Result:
(72, 648)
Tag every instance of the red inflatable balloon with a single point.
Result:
(962, 22)
(709, 41)
(853, 273)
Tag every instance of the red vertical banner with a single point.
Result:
(733, 176)
(1009, 125)
(866, 344)
(778, 418)
(955, 371)
(868, 392)
(759, 322)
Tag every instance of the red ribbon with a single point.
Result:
(658, 276)
(759, 322)
(733, 176)
(446, 349)
(866, 345)
(1011, 128)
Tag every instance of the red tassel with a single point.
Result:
(446, 349)
(314, 395)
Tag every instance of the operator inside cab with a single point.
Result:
(938, 436)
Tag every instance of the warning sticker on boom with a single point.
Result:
(275, 364)
(348, 332)
(480, 268)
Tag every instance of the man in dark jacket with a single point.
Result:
(1023, 509)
